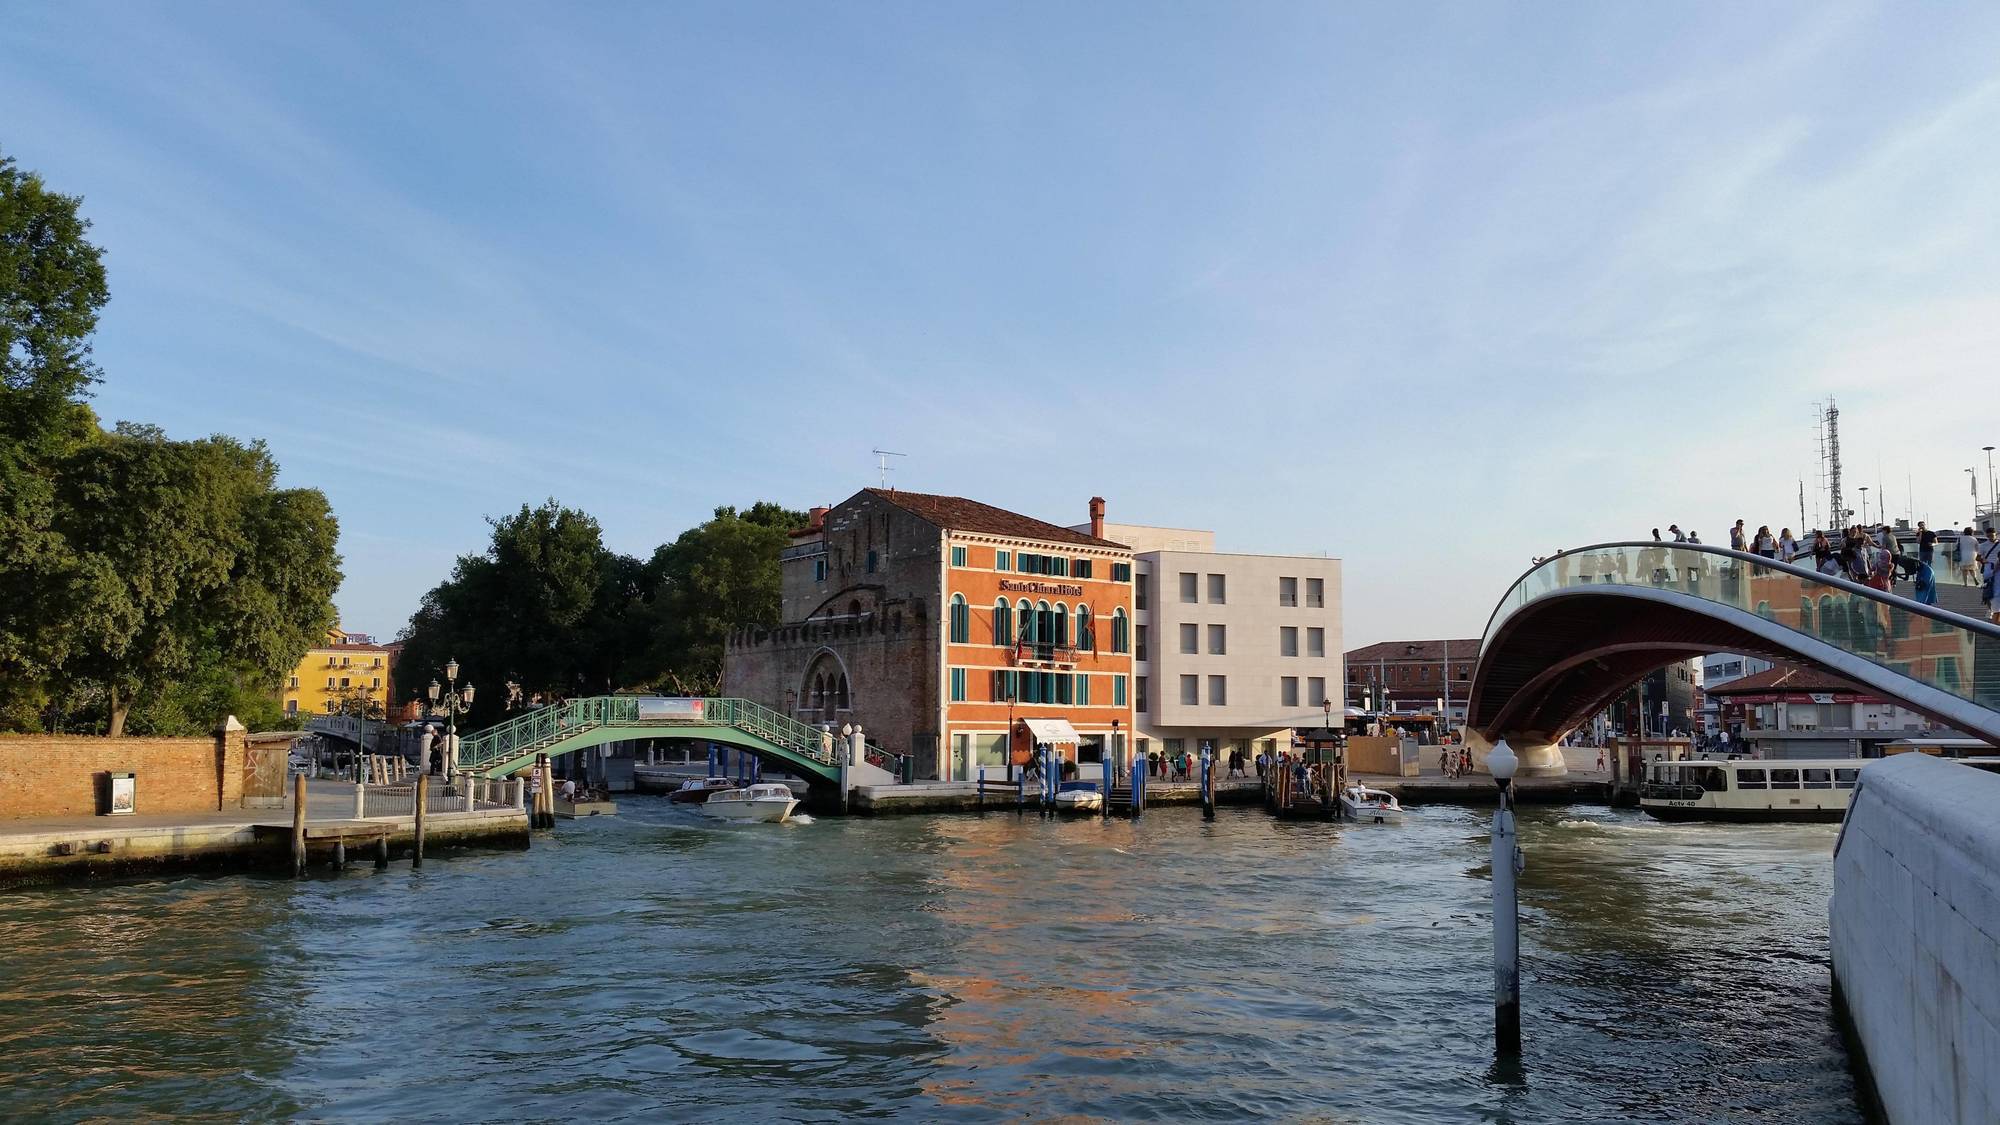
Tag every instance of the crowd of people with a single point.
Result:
(1876, 556)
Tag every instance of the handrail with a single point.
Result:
(547, 726)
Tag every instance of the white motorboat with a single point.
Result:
(768, 804)
(1079, 797)
(1371, 806)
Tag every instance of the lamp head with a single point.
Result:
(1501, 762)
(434, 689)
(467, 693)
(451, 670)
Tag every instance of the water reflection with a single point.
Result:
(971, 968)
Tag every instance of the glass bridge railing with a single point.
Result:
(1954, 654)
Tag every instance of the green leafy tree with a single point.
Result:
(718, 576)
(187, 555)
(52, 285)
(535, 608)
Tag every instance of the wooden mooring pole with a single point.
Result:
(298, 824)
(418, 791)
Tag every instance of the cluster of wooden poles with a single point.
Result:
(383, 771)
(542, 788)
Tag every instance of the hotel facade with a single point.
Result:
(950, 630)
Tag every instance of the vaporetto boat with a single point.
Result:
(1750, 789)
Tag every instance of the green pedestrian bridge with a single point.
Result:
(579, 724)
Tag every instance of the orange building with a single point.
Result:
(951, 630)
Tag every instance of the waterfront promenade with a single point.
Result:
(64, 848)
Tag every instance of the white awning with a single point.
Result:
(1055, 732)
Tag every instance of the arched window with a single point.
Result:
(1061, 615)
(1024, 627)
(1121, 631)
(1003, 623)
(841, 700)
(961, 621)
(1086, 638)
(819, 692)
(854, 609)
(1045, 626)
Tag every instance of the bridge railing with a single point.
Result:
(546, 726)
(1952, 653)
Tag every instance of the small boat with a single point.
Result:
(697, 790)
(767, 804)
(1079, 796)
(1371, 806)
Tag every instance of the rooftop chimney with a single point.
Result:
(816, 518)
(1097, 517)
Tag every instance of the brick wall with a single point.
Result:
(44, 775)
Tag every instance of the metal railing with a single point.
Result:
(399, 800)
(545, 727)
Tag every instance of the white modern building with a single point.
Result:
(1233, 650)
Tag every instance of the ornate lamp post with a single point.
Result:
(1501, 763)
(457, 701)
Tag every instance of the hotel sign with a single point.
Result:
(1053, 589)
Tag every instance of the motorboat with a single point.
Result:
(1079, 797)
(697, 790)
(1371, 806)
(767, 804)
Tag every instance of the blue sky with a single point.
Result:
(1432, 289)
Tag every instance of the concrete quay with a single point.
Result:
(47, 850)
(1577, 788)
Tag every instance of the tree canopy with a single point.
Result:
(548, 607)
(136, 572)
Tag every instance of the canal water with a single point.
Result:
(657, 966)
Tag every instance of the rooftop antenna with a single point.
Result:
(882, 462)
(1829, 452)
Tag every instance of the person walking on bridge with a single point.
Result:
(1764, 544)
(1968, 556)
(1737, 538)
(1926, 543)
(1788, 547)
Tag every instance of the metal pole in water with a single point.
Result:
(298, 824)
(1506, 908)
(1207, 783)
(982, 789)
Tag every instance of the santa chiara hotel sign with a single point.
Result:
(1052, 589)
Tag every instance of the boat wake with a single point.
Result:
(799, 818)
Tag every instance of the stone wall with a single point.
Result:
(877, 625)
(1915, 925)
(59, 775)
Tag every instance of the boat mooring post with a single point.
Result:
(1207, 782)
(1507, 863)
(419, 799)
(711, 761)
(1140, 768)
(298, 824)
(1020, 788)
(1104, 809)
(981, 799)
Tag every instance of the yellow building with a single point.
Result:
(347, 666)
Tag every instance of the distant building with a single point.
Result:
(1231, 650)
(950, 630)
(1717, 669)
(1413, 677)
(347, 666)
(1788, 711)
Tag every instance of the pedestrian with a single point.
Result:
(1694, 537)
(1656, 535)
(1788, 547)
(1600, 759)
(1968, 556)
(1737, 540)
(1885, 538)
(1926, 543)
(1926, 591)
(1674, 529)
(1765, 544)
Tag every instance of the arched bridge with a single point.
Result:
(1580, 628)
(579, 724)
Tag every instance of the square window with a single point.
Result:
(1190, 638)
(1142, 591)
(957, 684)
(1141, 648)
(1190, 691)
(1288, 691)
(1190, 584)
(1118, 691)
(958, 556)
(1315, 642)
(1218, 640)
(1139, 695)
(872, 559)
(1218, 588)
(819, 569)
(1288, 591)
(1218, 691)
(1003, 560)
(1316, 592)
(1288, 640)
(1316, 691)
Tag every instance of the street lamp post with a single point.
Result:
(1501, 763)
(457, 701)
(1992, 493)
(1864, 505)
